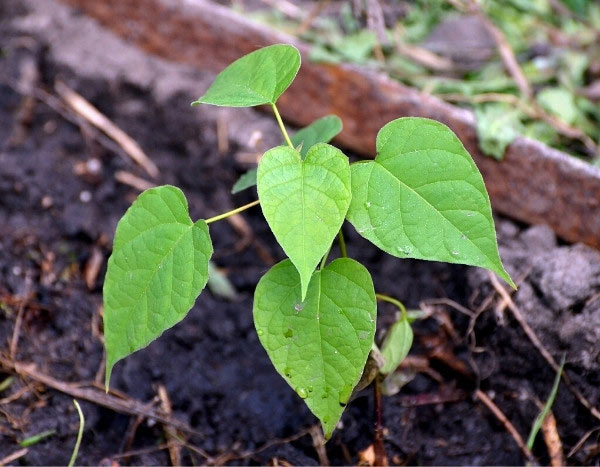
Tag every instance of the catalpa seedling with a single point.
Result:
(421, 197)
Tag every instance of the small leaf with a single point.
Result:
(159, 265)
(254, 79)
(322, 130)
(497, 126)
(304, 202)
(319, 345)
(33, 440)
(559, 102)
(246, 181)
(219, 284)
(423, 197)
(356, 48)
(396, 345)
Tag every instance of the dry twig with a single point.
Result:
(504, 49)
(516, 312)
(127, 178)
(92, 267)
(553, 442)
(91, 114)
(483, 397)
(13, 457)
(422, 56)
(319, 444)
(582, 441)
(310, 18)
(122, 405)
(14, 341)
(171, 435)
(531, 109)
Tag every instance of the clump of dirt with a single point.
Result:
(59, 205)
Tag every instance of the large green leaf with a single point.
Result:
(304, 202)
(322, 130)
(423, 197)
(158, 267)
(319, 345)
(257, 78)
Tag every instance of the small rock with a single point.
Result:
(539, 238)
(567, 276)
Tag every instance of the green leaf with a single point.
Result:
(559, 102)
(322, 130)
(497, 126)
(219, 284)
(159, 265)
(356, 48)
(304, 202)
(320, 345)
(257, 78)
(423, 197)
(396, 345)
(539, 421)
(33, 440)
(246, 181)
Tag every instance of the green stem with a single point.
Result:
(393, 301)
(283, 130)
(342, 244)
(324, 260)
(79, 434)
(232, 212)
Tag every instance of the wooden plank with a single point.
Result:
(534, 183)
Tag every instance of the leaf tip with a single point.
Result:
(304, 290)
(109, 367)
(504, 275)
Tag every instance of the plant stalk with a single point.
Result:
(282, 127)
(342, 243)
(378, 446)
(79, 434)
(324, 260)
(393, 301)
(232, 212)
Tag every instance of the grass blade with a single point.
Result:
(540, 418)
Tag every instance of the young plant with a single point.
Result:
(421, 197)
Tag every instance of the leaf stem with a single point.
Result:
(283, 130)
(79, 434)
(324, 260)
(378, 446)
(393, 301)
(232, 212)
(342, 244)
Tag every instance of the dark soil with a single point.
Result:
(60, 201)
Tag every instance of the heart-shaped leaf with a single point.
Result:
(423, 197)
(322, 130)
(255, 79)
(319, 345)
(304, 202)
(159, 265)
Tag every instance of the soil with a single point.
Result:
(60, 202)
